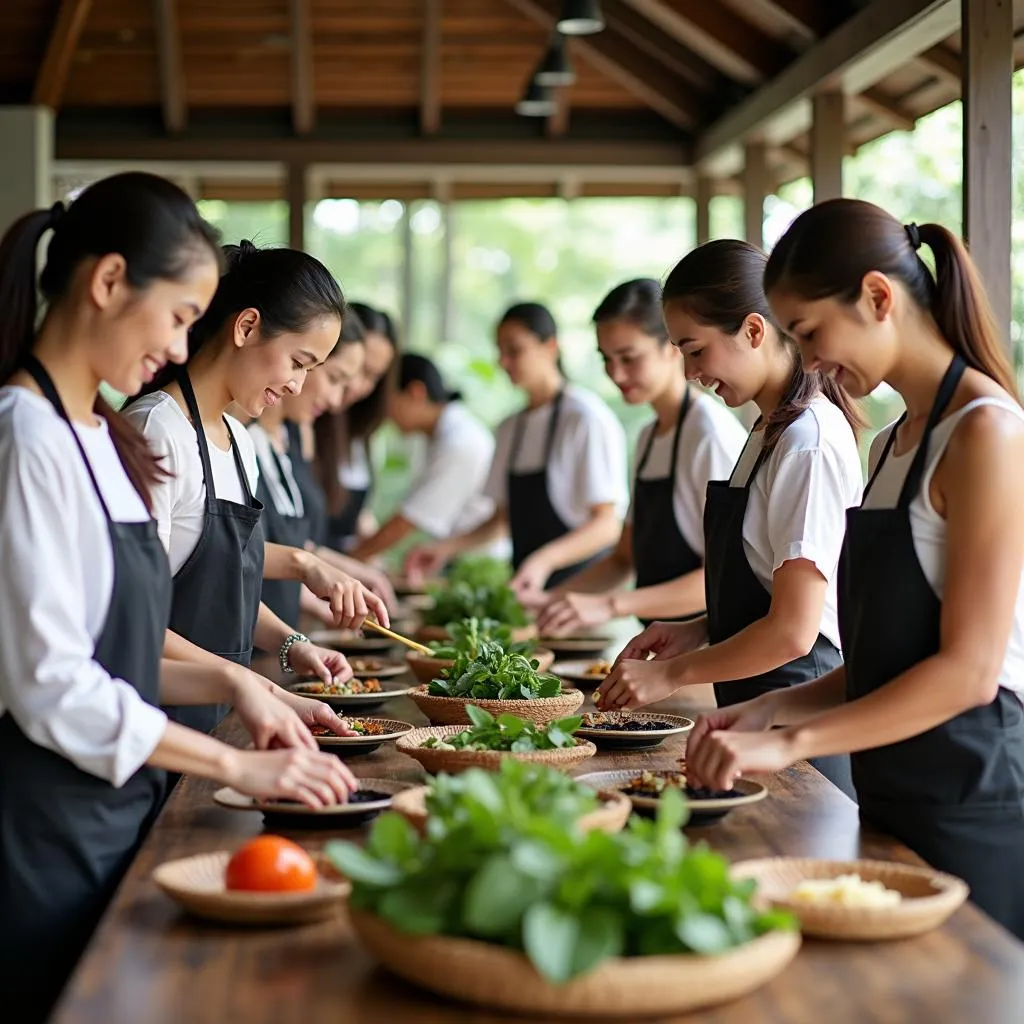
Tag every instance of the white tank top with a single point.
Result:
(929, 528)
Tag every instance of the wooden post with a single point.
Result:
(408, 271)
(297, 194)
(755, 188)
(988, 146)
(703, 201)
(828, 144)
(448, 226)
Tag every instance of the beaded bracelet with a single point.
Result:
(289, 642)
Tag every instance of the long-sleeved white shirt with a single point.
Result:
(56, 580)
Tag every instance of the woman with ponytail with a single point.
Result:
(276, 316)
(772, 531)
(931, 601)
(85, 591)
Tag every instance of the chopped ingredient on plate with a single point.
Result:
(366, 664)
(352, 688)
(598, 670)
(845, 891)
(364, 728)
(613, 721)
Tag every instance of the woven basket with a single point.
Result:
(459, 760)
(425, 669)
(634, 987)
(610, 816)
(452, 710)
(929, 896)
(427, 633)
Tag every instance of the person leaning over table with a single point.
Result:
(446, 497)
(931, 599)
(693, 439)
(558, 478)
(774, 529)
(294, 506)
(275, 317)
(344, 457)
(85, 592)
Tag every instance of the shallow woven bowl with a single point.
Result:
(452, 710)
(197, 885)
(492, 976)
(610, 816)
(459, 760)
(425, 669)
(929, 896)
(440, 633)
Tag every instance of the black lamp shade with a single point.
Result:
(536, 102)
(580, 18)
(555, 69)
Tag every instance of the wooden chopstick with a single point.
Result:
(414, 644)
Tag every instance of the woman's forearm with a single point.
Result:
(281, 562)
(395, 530)
(797, 704)
(676, 598)
(271, 631)
(183, 682)
(191, 752)
(600, 531)
(606, 574)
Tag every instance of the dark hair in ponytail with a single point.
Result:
(720, 283)
(828, 250)
(638, 303)
(367, 414)
(289, 288)
(145, 219)
(414, 367)
(537, 319)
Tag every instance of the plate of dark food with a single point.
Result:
(353, 695)
(376, 668)
(372, 797)
(631, 730)
(578, 646)
(351, 642)
(644, 788)
(586, 674)
(371, 733)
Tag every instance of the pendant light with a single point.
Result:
(580, 18)
(536, 102)
(555, 69)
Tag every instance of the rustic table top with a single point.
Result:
(148, 961)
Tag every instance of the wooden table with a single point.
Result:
(148, 962)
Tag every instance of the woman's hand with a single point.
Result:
(721, 756)
(313, 712)
(349, 600)
(380, 585)
(751, 716)
(566, 614)
(528, 582)
(309, 661)
(270, 722)
(309, 776)
(633, 684)
(665, 640)
(424, 561)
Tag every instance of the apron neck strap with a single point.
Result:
(35, 369)
(684, 408)
(517, 437)
(762, 455)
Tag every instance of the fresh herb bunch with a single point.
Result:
(508, 732)
(569, 900)
(465, 637)
(486, 669)
(476, 586)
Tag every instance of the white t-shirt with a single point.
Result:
(710, 443)
(179, 503)
(798, 501)
(354, 470)
(929, 528)
(55, 587)
(588, 458)
(447, 498)
(283, 491)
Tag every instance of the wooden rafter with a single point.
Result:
(430, 69)
(303, 92)
(60, 50)
(621, 61)
(558, 123)
(172, 85)
(810, 18)
(944, 62)
(887, 109)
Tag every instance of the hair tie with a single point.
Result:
(246, 248)
(913, 235)
(57, 212)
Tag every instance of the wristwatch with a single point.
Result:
(285, 652)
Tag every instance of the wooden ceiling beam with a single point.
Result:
(625, 64)
(558, 123)
(430, 69)
(808, 18)
(303, 90)
(942, 61)
(60, 51)
(885, 107)
(172, 84)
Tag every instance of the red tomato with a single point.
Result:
(271, 864)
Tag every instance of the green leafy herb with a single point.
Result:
(508, 732)
(465, 636)
(476, 587)
(503, 861)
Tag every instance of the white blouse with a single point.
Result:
(179, 502)
(283, 491)
(55, 589)
(798, 501)
(929, 528)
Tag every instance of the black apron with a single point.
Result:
(217, 590)
(67, 837)
(953, 794)
(533, 521)
(282, 597)
(736, 598)
(660, 551)
(314, 501)
(343, 527)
